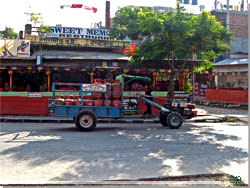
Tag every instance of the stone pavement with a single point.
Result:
(215, 113)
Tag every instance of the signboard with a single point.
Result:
(130, 105)
(75, 32)
(96, 87)
(82, 42)
(14, 48)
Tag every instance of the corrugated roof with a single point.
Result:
(18, 58)
(232, 61)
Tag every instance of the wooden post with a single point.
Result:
(11, 81)
(154, 78)
(92, 77)
(48, 74)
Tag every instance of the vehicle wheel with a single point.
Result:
(86, 120)
(163, 120)
(174, 120)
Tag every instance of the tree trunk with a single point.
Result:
(171, 85)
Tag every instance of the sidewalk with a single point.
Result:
(210, 113)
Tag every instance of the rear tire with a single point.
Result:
(174, 120)
(85, 120)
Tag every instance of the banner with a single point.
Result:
(14, 48)
(75, 32)
(94, 87)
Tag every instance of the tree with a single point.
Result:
(171, 36)
(42, 29)
(8, 33)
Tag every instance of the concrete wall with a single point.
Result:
(238, 21)
(233, 79)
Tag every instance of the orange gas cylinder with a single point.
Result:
(116, 103)
(98, 102)
(59, 100)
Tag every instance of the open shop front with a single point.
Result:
(34, 83)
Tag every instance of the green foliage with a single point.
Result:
(34, 18)
(43, 29)
(172, 35)
(8, 33)
(188, 84)
(125, 23)
(188, 87)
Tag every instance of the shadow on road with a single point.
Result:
(119, 152)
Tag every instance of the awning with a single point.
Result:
(82, 55)
(231, 65)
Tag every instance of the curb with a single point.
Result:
(28, 120)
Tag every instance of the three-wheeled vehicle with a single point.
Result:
(101, 100)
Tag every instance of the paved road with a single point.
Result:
(41, 153)
(120, 186)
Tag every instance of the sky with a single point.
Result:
(12, 12)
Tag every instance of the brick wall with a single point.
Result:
(238, 22)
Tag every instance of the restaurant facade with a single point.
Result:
(76, 55)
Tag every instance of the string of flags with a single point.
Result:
(80, 6)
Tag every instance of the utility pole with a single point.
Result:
(227, 22)
(228, 25)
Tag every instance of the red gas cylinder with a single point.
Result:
(88, 102)
(88, 97)
(97, 80)
(116, 88)
(107, 96)
(69, 101)
(98, 102)
(116, 103)
(107, 103)
(78, 101)
(109, 87)
(116, 96)
(97, 95)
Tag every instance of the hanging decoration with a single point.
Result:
(129, 51)
(80, 6)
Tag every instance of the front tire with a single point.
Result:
(163, 120)
(174, 120)
(86, 120)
